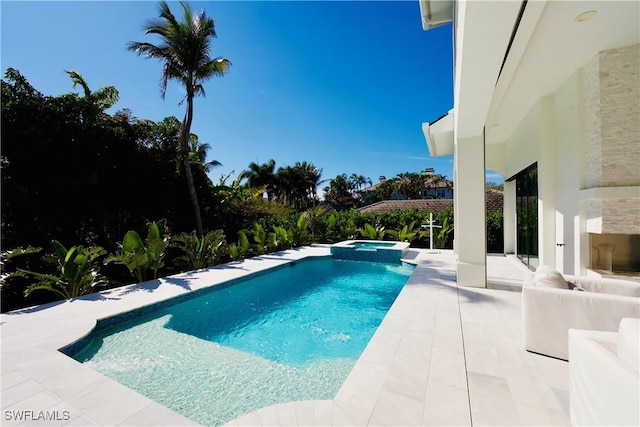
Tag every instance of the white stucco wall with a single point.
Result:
(576, 137)
(569, 158)
(551, 134)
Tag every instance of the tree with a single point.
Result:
(262, 176)
(339, 192)
(185, 50)
(310, 177)
(198, 154)
(94, 102)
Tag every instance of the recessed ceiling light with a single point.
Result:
(586, 16)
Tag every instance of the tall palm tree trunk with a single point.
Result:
(184, 154)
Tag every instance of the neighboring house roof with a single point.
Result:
(370, 188)
(494, 201)
(433, 205)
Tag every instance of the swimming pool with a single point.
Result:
(289, 334)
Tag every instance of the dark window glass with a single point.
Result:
(527, 215)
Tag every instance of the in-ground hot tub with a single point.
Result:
(370, 250)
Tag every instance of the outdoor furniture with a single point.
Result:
(550, 308)
(604, 383)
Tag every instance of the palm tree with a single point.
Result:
(198, 154)
(94, 102)
(359, 181)
(185, 50)
(262, 175)
(310, 177)
(286, 183)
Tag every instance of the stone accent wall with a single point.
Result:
(613, 216)
(593, 141)
(612, 118)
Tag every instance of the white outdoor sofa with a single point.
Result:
(604, 382)
(550, 308)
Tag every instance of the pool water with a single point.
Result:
(372, 245)
(287, 335)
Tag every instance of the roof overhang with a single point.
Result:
(436, 13)
(439, 135)
(548, 46)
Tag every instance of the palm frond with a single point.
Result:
(77, 79)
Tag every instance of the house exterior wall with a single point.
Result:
(585, 138)
(612, 105)
(612, 174)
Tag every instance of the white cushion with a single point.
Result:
(549, 278)
(629, 342)
(603, 390)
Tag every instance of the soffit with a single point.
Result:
(482, 34)
(439, 135)
(435, 13)
(548, 47)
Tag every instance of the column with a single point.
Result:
(469, 206)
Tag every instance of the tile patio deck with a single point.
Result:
(443, 355)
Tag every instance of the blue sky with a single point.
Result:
(343, 85)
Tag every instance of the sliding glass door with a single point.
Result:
(527, 215)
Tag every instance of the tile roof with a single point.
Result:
(494, 200)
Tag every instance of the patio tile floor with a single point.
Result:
(443, 355)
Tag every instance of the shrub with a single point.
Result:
(199, 252)
(495, 232)
(77, 272)
(142, 258)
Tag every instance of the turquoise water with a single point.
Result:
(291, 334)
(367, 245)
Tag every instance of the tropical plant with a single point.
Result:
(373, 233)
(339, 193)
(283, 238)
(94, 102)
(77, 272)
(442, 236)
(301, 235)
(144, 257)
(198, 154)
(14, 283)
(200, 252)
(340, 229)
(260, 238)
(316, 218)
(495, 231)
(310, 177)
(241, 249)
(408, 233)
(262, 176)
(185, 51)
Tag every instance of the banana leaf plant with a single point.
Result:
(408, 233)
(339, 230)
(301, 234)
(443, 234)
(282, 238)
(77, 273)
(200, 252)
(241, 249)
(373, 233)
(144, 258)
(260, 238)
